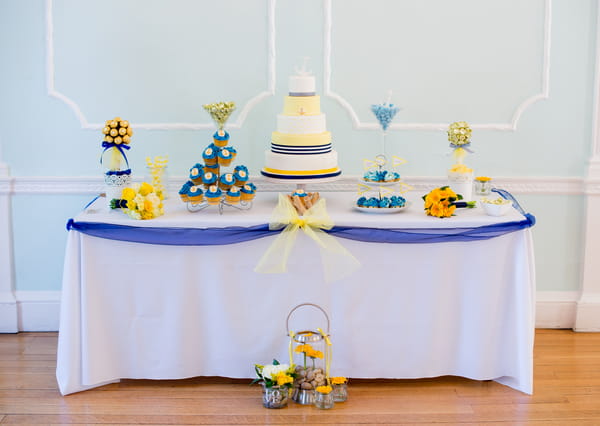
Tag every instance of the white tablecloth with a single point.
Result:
(133, 310)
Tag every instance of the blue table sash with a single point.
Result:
(239, 234)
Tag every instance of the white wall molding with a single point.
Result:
(8, 304)
(512, 125)
(40, 310)
(548, 185)
(245, 109)
(588, 305)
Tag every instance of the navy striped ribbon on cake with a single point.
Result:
(299, 94)
(300, 150)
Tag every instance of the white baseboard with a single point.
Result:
(8, 313)
(556, 309)
(39, 311)
(588, 314)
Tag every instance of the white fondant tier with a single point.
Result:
(298, 165)
(302, 84)
(301, 124)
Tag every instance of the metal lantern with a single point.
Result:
(310, 351)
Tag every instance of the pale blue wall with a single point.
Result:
(159, 61)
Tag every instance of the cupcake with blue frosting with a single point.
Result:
(226, 181)
(397, 201)
(233, 195)
(196, 173)
(195, 194)
(221, 138)
(209, 178)
(248, 192)
(226, 156)
(214, 168)
(240, 174)
(213, 195)
(210, 156)
(183, 192)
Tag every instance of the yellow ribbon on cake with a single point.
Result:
(314, 221)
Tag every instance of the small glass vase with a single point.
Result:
(340, 392)
(275, 396)
(324, 401)
(483, 187)
(158, 177)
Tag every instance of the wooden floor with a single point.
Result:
(567, 392)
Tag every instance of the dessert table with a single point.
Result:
(177, 296)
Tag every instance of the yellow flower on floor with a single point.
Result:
(324, 389)
(338, 380)
(283, 378)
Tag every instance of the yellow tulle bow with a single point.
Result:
(337, 261)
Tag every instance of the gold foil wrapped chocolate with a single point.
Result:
(220, 112)
(117, 131)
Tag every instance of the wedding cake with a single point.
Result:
(301, 147)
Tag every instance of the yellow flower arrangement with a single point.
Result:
(324, 389)
(483, 178)
(310, 352)
(442, 202)
(275, 374)
(139, 202)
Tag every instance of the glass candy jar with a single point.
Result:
(158, 177)
(275, 396)
(340, 392)
(324, 400)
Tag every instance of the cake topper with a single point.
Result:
(303, 70)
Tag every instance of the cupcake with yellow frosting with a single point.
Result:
(221, 138)
(213, 195)
(233, 196)
(248, 192)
